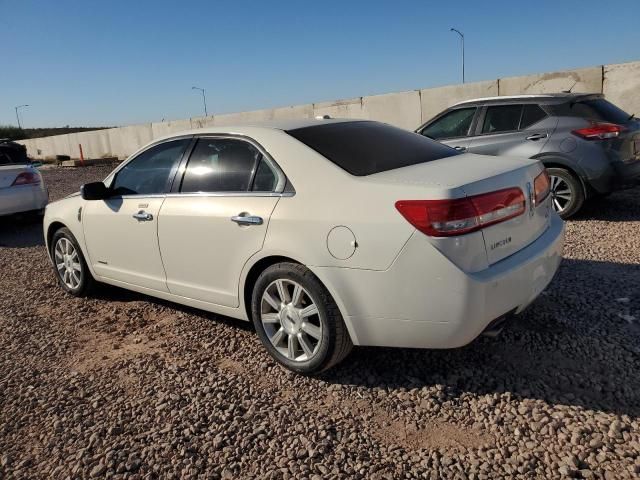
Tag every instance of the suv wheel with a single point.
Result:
(297, 320)
(567, 195)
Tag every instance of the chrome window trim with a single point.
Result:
(109, 179)
(277, 192)
(282, 178)
(206, 194)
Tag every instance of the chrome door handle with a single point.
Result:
(246, 220)
(143, 216)
(537, 136)
(460, 149)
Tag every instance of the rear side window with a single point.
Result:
(451, 125)
(531, 115)
(265, 179)
(365, 148)
(223, 165)
(502, 118)
(597, 109)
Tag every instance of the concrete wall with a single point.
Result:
(583, 80)
(620, 83)
(435, 100)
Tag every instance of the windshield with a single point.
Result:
(364, 148)
(11, 156)
(598, 109)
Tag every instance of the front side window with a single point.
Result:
(226, 165)
(451, 125)
(150, 172)
(502, 118)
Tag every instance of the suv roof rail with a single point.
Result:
(557, 96)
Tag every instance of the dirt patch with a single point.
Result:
(436, 434)
(100, 350)
(231, 366)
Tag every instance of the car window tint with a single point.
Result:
(364, 148)
(597, 109)
(453, 124)
(502, 118)
(7, 157)
(150, 171)
(265, 179)
(12, 153)
(220, 165)
(532, 114)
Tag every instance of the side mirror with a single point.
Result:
(94, 191)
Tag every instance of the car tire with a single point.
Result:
(69, 264)
(567, 194)
(304, 331)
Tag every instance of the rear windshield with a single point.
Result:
(11, 156)
(365, 148)
(597, 109)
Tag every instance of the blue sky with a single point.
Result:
(89, 63)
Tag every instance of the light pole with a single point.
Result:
(462, 37)
(18, 116)
(204, 99)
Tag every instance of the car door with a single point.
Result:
(515, 130)
(121, 232)
(451, 127)
(217, 218)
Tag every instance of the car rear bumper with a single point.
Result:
(626, 174)
(425, 301)
(619, 176)
(23, 199)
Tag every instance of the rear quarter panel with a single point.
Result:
(327, 197)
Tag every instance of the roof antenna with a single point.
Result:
(569, 91)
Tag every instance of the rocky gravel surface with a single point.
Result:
(121, 385)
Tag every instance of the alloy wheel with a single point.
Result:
(291, 320)
(68, 263)
(561, 194)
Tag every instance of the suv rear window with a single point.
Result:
(597, 109)
(364, 148)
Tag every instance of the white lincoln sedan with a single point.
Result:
(324, 233)
(22, 188)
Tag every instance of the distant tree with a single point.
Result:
(11, 132)
(15, 133)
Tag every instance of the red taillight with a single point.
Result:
(446, 218)
(599, 131)
(541, 187)
(26, 178)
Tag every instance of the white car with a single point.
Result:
(21, 187)
(324, 233)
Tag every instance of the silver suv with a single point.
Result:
(589, 146)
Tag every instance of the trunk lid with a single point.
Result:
(508, 237)
(8, 174)
(469, 175)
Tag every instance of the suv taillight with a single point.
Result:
(541, 187)
(26, 178)
(599, 131)
(447, 218)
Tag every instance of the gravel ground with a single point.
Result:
(125, 386)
